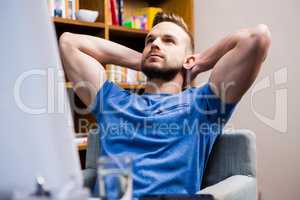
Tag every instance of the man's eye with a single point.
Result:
(169, 40)
(149, 41)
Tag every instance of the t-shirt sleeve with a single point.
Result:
(108, 91)
(211, 107)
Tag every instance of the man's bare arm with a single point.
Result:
(235, 61)
(83, 58)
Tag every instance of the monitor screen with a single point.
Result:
(37, 136)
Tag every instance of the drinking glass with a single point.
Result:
(115, 177)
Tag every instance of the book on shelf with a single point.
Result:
(120, 4)
(63, 8)
(121, 74)
(116, 8)
(141, 19)
(149, 13)
(114, 12)
(71, 9)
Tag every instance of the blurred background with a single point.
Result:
(273, 114)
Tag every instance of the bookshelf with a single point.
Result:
(131, 32)
(59, 21)
(133, 38)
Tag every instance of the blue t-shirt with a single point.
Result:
(169, 136)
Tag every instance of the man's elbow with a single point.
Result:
(258, 41)
(67, 48)
(67, 41)
(262, 36)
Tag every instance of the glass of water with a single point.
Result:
(115, 177)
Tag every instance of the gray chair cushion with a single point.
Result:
(234, 153)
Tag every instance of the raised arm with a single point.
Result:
(235, 61)
(82, 56)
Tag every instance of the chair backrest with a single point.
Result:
(234, 153)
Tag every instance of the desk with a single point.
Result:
(178, 197)
(174, 197)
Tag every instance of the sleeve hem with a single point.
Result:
(227, 104)
(102, 92)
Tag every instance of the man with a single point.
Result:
(168, 131)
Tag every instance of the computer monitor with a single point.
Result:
(37, 136)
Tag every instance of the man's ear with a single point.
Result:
(189, 62)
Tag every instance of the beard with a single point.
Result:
(165, 74)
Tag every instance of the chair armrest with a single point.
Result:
(93, 150)
(238, 187)
(89, 178)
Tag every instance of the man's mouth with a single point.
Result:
(155, 55)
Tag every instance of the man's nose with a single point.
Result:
(156, 44)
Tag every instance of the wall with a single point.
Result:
(274, 113)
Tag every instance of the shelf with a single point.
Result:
(127, 31)
(69, 85)
(112, 28)
(64, 21)
(131, 86)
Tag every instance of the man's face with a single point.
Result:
(166, 47)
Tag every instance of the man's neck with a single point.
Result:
(173, 86)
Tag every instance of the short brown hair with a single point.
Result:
(171, 17)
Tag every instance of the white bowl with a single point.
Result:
(87, 15)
